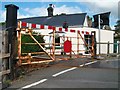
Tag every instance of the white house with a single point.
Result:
(76, 22)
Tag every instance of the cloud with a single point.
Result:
(36, 11)
(3, 16)
(103, 6)
(67, 10)
(23, 16)
(93, 7)
(42, 11)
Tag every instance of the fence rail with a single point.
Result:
(4, 72)
(4, 55)
(108, 46)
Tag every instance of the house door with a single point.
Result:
(88, 39)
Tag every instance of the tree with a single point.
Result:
(2, 23)
(117, 30)
(117, 27)
(89, 21)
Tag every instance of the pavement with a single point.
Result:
(76, 73)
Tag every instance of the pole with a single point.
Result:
(77, 43)
(71, 48)
(99, 32)
(19, 42)
(53, 46)
(19, 46)
(118, 47)
(108, 46)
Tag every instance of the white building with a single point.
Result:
(76, 22)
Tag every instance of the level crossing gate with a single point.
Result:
(28, 28)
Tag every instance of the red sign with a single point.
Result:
(67, 46)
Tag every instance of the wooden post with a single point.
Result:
(93, 45)
(108, 47)
(53, 45)
(13, 54)
(77, 43)
(19, 42)
(19, 46)
(50, 44)
(71, 48)
(118, 47)
(1, 58)
(5, 65)
(84, 42)
(11, 25)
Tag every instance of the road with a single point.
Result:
(71, 74)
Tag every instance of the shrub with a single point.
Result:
(33, 47)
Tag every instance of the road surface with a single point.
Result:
(72, 74)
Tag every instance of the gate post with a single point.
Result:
(108, 47)
(53, 45)
(93, 33)
(77, 43)
(11, 25)
(19, 42)
(118, 47)
(0, 58)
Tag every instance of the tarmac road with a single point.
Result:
(72, 74)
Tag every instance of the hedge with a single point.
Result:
(31, 48)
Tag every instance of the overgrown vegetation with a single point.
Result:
(117, 30)
(33, 47)
(2, 23)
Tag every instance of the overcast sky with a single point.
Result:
(35, 8)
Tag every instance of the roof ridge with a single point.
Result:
(53, 16)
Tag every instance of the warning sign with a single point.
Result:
(67, 46)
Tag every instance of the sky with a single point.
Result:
(36, 8)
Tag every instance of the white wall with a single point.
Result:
(105, 36)
(85, 22)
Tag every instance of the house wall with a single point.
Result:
(106, 36)
(85, 22)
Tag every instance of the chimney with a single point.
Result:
(50, 10)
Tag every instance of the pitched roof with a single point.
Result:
(58, 20)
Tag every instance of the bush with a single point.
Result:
(31, 48)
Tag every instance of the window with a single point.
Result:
(57, 40)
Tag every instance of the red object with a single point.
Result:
(82, 32)
(72, 30)
(41, 26)
(24, 24)
(66, 29)
(33, 25)
(54, 28)
(87, 33)
(50, 27)
(67, 46)
(60, 29)
(78, 31)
